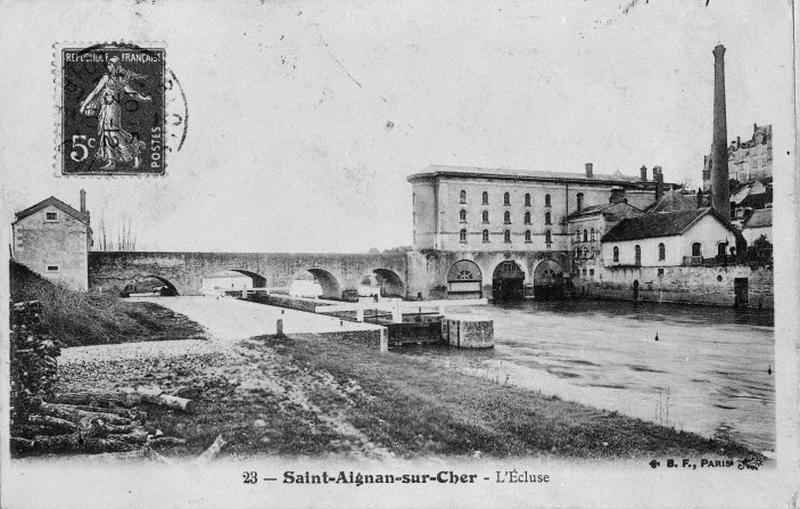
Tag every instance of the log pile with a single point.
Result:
(78, 422)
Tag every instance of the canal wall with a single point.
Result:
(712, 286)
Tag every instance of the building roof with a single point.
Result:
(663, 224)
(83, 217)
(674, 201)
(508, 174)
(759, 219)
(605, 208)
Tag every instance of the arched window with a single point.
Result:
(591, 234)
(697, 249)
(462, 196)
(527, 199)
(507, 236)
(485, 235)
(662, 251)
(585, 236)
(547, 200)
(577, 235)
(485, 216)
(462, 216)
(547, 218)
(637, 255)
(485, 198)
(527, 236)
(527, 218)
(580, 201)
(577, 252)
(507, 217)
(462, 236)
(548, 238)
(506, 199)
(616, 254)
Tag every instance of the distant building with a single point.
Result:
(757, 224)
(747, 161)
(749, 197)
(507, 232)
(53, 239)
(589, 225)
(668, 239)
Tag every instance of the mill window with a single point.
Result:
(507, 217)
(485, 198)
(506, 199)
(616, 254)
(52, 268)
(585, 236)
(637, 255)
(462, 236)
(527, 199)
(697, 249)
(662, 251)
(527, 236)
(507, 236)
(462, 196)
(51, 216)
(547, 200)
(547, 218)
(485, 236)
(591, 234)
(580, 201)
(527, 218)
(485, 216)
(462, 216)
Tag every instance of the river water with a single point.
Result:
(707, 373)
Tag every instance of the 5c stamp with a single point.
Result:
(115, 116)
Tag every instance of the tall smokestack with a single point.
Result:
(643, 171)
(83, 201)
(720, 192)
(589, 170)
(659, 184)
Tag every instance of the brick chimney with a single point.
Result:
(659, 184)
(643, 171)
(589, 170)
(83, 201)
(720, 192)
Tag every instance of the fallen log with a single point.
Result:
(71, 413)
(22, 445)
(166, 441)
(50, 425)
(123, 398)
(211, 452)
(77, 444)
(156, 396)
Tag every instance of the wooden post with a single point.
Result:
(360, 314)
(279, 328)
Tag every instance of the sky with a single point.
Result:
(306, 117)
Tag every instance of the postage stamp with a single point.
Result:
(112, 110)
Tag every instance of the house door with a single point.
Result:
(636, 289)
(740, 287)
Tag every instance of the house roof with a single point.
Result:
(674, 201)
(759, 219)
(662, 224)
(55, 202)
(508, 174)
(604, 208)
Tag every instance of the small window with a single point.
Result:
(462, 196)
(413, 198)
(527, 199)
(485, 236)
(591, 272)
(507, 236)
(52, 268)
(462, 236)
(577, 252)
(637, 255)
(51, 216)
(577, 236)
(485, 198)
(585, 236)
(527, 218)
(591, 234)
(616, 254)
(547, 218)
(506, 199)
(548, 238)
(414, 217)
(485, 216)
(697, 249)
(753, 163)
(507, 217)
(660, 272)
(527, 236)
(547, 200)
(580, 201)
(662, 251)
(462, 216)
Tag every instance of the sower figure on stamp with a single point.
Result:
(116, 145)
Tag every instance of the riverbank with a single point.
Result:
(309, 396)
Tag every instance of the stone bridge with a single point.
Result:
(336, 273)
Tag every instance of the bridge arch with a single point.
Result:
(331, 289)
(464, 279)
(390, 282)
(259, 281)
(548, 280)
(139, 284)
(507, 281)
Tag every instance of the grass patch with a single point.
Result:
(416, 408)
(78, 318)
